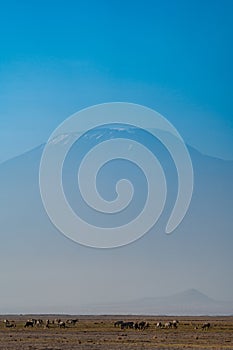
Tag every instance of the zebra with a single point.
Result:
(72, 322)
(62, 324)
(57, 321)
(9, 324)
(168, 325)
(39, 323)
(175, 323)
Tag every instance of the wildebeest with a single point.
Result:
(29, 323)
(127, 325)
(132, 325)
(205, 326)
(118, 323)
(141, 325)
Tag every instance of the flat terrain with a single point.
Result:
(98, 332)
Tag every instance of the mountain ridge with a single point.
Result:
(198, 254)
(190, 302)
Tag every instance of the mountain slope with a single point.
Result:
(189, 302)
(41, 270)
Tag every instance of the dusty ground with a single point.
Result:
(98, 332)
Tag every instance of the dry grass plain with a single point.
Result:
(98, 332)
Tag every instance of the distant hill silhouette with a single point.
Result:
(43, 271)
(189, 302)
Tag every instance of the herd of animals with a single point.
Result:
(142, 325)
(41, 323)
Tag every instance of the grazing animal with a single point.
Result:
(175, 323)
(118, 323)
(57, 321)
(142, 325)
(72, 322)
(205, 326)
(29, 324)
(159, 325)
(127, 325)
(9, 324)
(39, 323)
(168, 324)
(62, 324)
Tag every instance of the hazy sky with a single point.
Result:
(59, 56)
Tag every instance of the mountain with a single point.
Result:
(43, 271)
(190, 302)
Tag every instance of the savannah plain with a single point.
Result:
(99, 332)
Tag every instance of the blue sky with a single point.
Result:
(60, 56)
